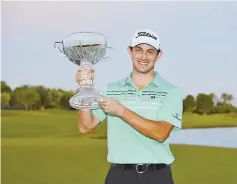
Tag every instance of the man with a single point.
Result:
(142, 109)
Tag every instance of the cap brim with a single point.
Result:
(135, 44)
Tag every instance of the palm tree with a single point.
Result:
(227, 98)
(224, 97)
(230, 98)
(214, 98)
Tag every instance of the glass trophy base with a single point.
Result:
(85, 99)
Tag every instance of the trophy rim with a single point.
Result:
(103, 43)
(97, 33)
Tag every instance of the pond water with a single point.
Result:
(218, 137)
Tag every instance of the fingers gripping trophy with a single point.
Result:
(84, 49)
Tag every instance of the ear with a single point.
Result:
(159, 55)
(129, 51)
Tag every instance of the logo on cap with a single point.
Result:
(146, 34)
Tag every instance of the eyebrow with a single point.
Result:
(138, 47)
(151, 49)
(142, 48)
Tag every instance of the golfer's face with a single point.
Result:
(144, 57)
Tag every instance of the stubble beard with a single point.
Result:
(143, 71)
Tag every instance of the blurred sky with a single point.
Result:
(199, 41)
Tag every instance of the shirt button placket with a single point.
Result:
(138, 96)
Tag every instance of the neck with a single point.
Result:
(141, 80)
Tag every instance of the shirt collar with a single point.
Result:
(156, 79)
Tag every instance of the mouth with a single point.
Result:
(143, 63)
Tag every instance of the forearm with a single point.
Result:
(156, 130)
(85, 120)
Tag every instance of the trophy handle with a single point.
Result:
(106, 58)
(59, 45)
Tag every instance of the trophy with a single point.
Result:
(84, 49)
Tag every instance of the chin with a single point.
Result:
(143, 71)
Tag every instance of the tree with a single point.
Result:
(56, 97)
(15, 97)
(33, 98)
(45, 96)
(28, 97)
(189, 104)
(5, 99)
(224, 105)
(224, 108)
(5, 87)
(64, 102)
(226, 98)
(204, 103)
(214, 98)
(230, 97)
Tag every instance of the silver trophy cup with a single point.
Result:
(84, 49)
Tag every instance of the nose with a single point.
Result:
(144, 56)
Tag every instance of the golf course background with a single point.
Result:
(45, 147)
(40, 141)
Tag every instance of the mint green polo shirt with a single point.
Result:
(159, 101)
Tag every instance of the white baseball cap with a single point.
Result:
(146, 36)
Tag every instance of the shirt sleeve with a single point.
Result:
(99, 113)
(172, 109)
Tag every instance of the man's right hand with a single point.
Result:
(84, 76)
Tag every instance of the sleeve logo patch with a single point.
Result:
(176, 116)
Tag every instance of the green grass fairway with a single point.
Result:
(46, 148)
(209, 121)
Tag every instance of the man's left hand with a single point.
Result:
(111, 106)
